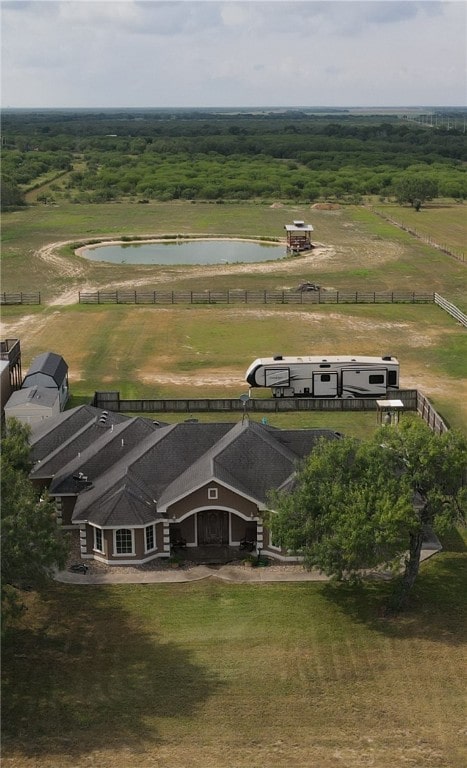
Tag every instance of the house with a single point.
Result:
(5, 384)
(135, 488)
(33, 405)
(50, 371)
(10, 370)
(298, 236)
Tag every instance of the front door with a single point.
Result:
(213, 528)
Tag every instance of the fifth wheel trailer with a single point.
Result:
(332, 376)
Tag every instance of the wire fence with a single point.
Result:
(444, 248)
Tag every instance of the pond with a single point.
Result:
(187, 252)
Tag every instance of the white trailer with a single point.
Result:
(325, 376)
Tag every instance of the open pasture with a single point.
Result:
(220, 675)
(444, 223)
(203, 351)
(190, 351)
(356, 250)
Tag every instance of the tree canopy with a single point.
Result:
(415, 189)
(359, 505)
(32, 543)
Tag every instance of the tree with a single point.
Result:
(415, 189)
(358, 505)
(11, 195)
(32, 543)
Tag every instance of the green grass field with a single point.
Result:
(216, 675)
(190, 351)
(367, 253)
(211, 675)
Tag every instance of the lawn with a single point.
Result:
(192, 351)
(228, 676)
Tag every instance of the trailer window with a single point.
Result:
(325, 377)
(324, 365)
(376, 378)
(392, 378)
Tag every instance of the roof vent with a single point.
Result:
(278, 357)
(81, 477)
(103, 417)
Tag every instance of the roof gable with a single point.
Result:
(49, 364)
(129, 473)
(127, 503)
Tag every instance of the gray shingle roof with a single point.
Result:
(127, 502)
(55, 432)
(133, 483)
(94, 450)
(49, 364)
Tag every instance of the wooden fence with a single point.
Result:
(20, 298)
(429, 415)
(255, 297)
(111, 401)
(412, 399)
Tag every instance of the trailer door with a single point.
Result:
(325, 384)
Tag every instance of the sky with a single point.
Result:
(206, 53)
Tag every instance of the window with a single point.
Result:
(325, 377)
(150, 539)
(123, 541)
(392, 378)
(98, 540)
(213, 493)
(376, 378)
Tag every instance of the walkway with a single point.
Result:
(234, 574)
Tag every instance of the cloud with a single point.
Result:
(208, 53)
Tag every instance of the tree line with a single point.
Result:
(203, 156)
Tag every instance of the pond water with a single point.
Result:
(186, 252)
